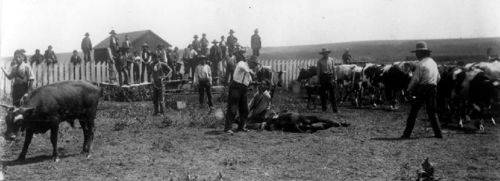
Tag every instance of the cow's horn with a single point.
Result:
(6, 106)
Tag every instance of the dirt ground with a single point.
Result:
(130, 144)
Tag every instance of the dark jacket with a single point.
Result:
(86, 44)
(196, 45)
(38, 58)
(231, 41)
(256, 43)
(215, 53)
(50, 56)
(75, 59)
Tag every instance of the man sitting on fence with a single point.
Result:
(37, 57)
(159, 69)
(75, 59)
(50, 56)
(23, 80)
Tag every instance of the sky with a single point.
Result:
(35, 24)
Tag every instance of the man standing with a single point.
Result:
(203, 78)
(37, 57)
(327, 78)
(215, 58)
(23, 80)
(171, 61)
(346, 57)
(121, 67)
(159, 69)
(423, 88)
(231, 42)
(113, 43)
(237, 96)
(196, 44)
(127, 45)
(204, 44)
(190, 60)
(256, 43)
(175, 55)
(86, 47)
(50, 56)
(230, 63)
(223, 47)
(146, 58)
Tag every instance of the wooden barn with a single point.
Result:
(138, 38)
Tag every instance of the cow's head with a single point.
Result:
(303, 74)
(14, 120)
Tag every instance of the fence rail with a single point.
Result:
(47, 74)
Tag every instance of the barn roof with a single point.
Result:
(134, 37)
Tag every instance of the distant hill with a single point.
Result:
(470, 49)
(473, 49)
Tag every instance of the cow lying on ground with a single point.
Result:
(295, 122)
(50, 105)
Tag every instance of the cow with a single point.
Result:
(295, 122)
(370, 82)
(309, 80)
(479, 88)
(395, 79)
(46, 107)
(347, 78)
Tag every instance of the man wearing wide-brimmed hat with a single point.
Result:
(423, 88)
(113, 42)
(237, 100)
(146, 58)
(231, 42)
(215, 57)
(196, 44)
(256, 43)
(327, 78)
(203, 80)
(86, 47)
(204, 44)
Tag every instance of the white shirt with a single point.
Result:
(242, 73)
(202, 72)
(426, 73)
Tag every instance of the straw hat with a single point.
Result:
(324, 50)
(421, 46)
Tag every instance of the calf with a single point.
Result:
(309, 80)
(295, 122)
(50, 105)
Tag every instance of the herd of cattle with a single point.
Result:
(463, 89)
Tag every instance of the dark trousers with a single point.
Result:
(223, 51)
(122, 74)
(192, 67)
(18, 91)
(158, 98)
(86, 55)
(204, 87)
(136, 70)
(229, 76)
(256, 51)
(174, 71)
(237, 101)
(424, 94)
(143, 70)
(327, 86)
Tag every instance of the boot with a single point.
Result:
(161, 108)
(155, 109)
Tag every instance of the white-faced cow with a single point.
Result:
(348, 77)
(370, 83)
(47, 106)
(480, 87)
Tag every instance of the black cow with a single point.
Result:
(309, 80)
(50, 105)
(295, 122)
(395, 81)
(370, 83)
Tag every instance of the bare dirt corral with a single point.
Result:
(132, 145)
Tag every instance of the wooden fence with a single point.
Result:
(99, 72)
